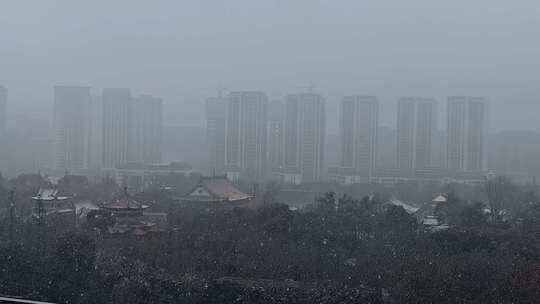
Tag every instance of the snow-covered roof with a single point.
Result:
(124, 203)
(440, 199)
(218, 187)
(408, 208)
(430, 221)
(49, 194)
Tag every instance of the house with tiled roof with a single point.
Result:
(217, 189)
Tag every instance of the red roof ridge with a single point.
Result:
(220, 187)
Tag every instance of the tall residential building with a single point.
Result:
(215, 133)
(3, 111)
(466, 133)
(95, 141)
(359, 122)
(276, 125)
(416, 126)
(146, 130)
(31, 146)
(386, 147)
(358, 136)
(71, 104)
(246, 131)
(438, 153)
(304, 136)
(3, 129)
(116, 126)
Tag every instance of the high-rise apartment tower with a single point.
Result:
(467, 133)
(246, 135)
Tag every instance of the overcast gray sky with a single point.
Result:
(174, 49)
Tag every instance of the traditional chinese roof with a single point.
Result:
(48, 194)
(440, 199)
(216, 188)
(408, 208)
(124, 203)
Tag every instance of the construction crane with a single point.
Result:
(308, 88)
(220, 90)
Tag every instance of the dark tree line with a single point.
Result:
(341, 250)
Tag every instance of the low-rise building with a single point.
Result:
(290, 176)
(139, 176)
(347, 176)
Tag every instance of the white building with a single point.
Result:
(416, 126)
(116, 126)
(304, 136)
(95, 133)
(358, 135)
(146, 130)
(140, 176)
(3, 129)
(246, 135)
(132, 128)
(71, 105)
(215, 133)
(283, 176)
(276, 132)
(467, 133)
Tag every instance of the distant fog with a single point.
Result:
(180, 50)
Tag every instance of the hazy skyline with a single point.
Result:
(174, 50)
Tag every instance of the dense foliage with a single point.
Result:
(342, 250)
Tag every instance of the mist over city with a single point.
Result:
(269, 151)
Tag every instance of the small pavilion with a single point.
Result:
(124, 206)
(49, 202)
